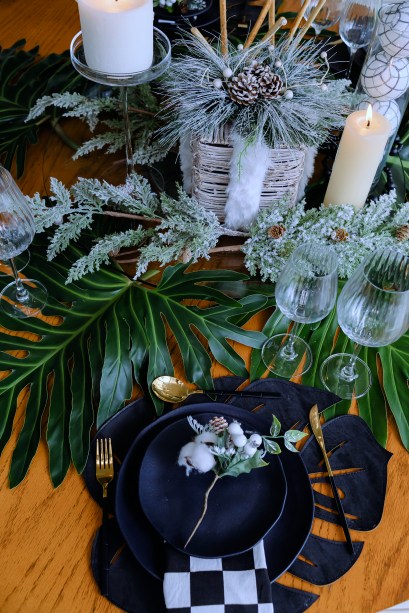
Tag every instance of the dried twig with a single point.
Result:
(258, 24)
(209, 489)
(270, 34)
(298, 19)
(223, 26)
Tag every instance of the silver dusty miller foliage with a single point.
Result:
(309, 106)
(104, 112)
(185, 230)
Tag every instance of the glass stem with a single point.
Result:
(288, 349)
(348, 373)
(21, 292)
(351, 61)
(128, 133)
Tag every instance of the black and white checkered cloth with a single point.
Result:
(238, 584)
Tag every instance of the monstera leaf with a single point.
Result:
(111, 330)
(23, 79)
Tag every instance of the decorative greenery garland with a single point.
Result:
(186, 231)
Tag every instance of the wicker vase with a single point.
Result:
(211, 173)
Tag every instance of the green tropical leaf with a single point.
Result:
(24, 78)
(111, 329)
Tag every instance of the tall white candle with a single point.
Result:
(358, 157)
(117, 34)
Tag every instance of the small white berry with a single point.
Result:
(283, 21)
(239, 440)
(278, 63)
(324, 87)
(240, 47)
(218, 83)
(227, 72)
(254, 62)
(249, 450)
(271, 47)
(256, 440)
(234, 428)
(206, 437)
(289, 94)
(324, 55)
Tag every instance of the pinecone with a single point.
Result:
(276, 231)
(218, 424)
(402, 233)
(270, 85)
(339, 235)
(244, 88)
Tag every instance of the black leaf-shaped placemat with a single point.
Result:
(359, 463)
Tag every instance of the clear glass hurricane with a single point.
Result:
(356, 24)
(373, 310)
(327, 16)
(23, 297)
(305, 292)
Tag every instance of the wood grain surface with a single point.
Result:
(46, 534)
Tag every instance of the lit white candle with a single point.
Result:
(117, 34)
(359, 154)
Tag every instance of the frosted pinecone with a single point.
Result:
(270, 84)
(402, 233)
(244, 88)
(218, 424)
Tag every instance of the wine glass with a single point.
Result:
(305, 292)
(357, 22)
(327, 16)
(21, 298)
(373, 310)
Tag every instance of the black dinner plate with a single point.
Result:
(173, 502)
(283, 542)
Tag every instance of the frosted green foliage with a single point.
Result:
(372, 227)
(195, 106)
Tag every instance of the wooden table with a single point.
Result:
(46, 534)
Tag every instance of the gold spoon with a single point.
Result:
(171, 389)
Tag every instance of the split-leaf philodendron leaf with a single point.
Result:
(113, 330)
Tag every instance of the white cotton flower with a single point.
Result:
(239, 440)
(202, 458)
(249, 449)
(234, 428)
(255, 440)
(185, 457)
(206, 437)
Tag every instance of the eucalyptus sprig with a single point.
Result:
(226, 450)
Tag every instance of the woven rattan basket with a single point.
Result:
(211, 168)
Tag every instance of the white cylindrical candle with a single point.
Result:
(358, 157)
(117, 34)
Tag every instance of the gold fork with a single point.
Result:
(104, 475)
(104, 464)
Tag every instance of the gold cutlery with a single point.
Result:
(104, 474)
(317, 431)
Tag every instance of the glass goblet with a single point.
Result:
(327, 16)
(21, 262)
(306, 291)
(356, 25)
(21, 298)
(373, 310)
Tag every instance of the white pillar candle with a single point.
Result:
(117, 34)
(359, 154)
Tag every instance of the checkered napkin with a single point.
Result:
(237, 584)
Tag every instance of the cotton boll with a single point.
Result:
(201, 458)
(249, 449)
(255, 440)
(239, 440)
(206, 437)
(234, 428)
(185, 455)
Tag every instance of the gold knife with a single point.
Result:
(317, 430)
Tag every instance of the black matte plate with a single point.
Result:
(173, 501)
(283, 542)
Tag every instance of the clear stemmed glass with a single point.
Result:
(305, 292)
(357, 22)
(327, 17)
(373, 310)
(21, 298)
